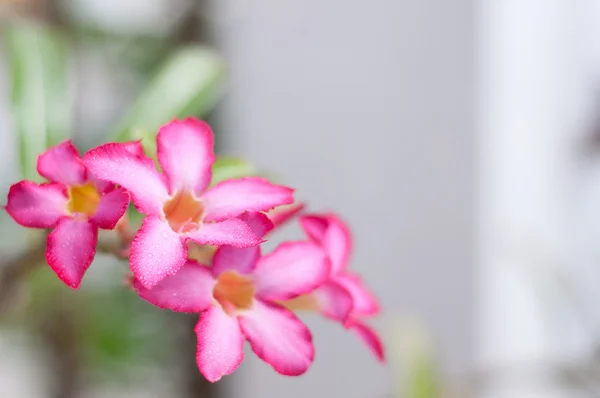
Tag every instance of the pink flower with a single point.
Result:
(344, 297)
(177, 204)
(73, 203)
(237, 298)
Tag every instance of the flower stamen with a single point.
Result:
(183, 212)
(83, 199)
(234, 291)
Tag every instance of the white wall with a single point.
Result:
(366, 108)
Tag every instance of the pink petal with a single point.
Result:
(292, 269)
(233, 197)
(314, 226)
(259, 222)
(113, 162)
(111, 208)
(62, 164)
(71, 248)
(220, 347)
(189, 290)
(337, 242)
(185, 152)
(282, 214)
(278, 338)
(135, 147)
(241, 260)
(37, 206)
(364, 301)
(156, 252)
(368, 336)
(234, 232)
(333, 301)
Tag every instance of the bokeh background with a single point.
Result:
(460, 140)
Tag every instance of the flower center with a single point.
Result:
(233, 291)
(83, 199)
(183, 211)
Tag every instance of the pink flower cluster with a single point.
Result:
(198, 248)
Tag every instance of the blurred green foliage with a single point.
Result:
(188, 84)
(226, 168)
(38, 59)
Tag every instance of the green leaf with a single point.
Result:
(188, 84)
(226, 168)
(38, 59)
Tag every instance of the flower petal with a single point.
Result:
(332, 233)
(282, 214)
(333, 301)
(241, 260)
(71, 248)
(189, 290)
(233, 197)
(37, 206)
(292, 269)
(233, 232)
(114, 163)
(368, 336)
(314, 226)
(220, 347)
(364, 301)
(278, 337)
(185, 152)
(156, 252)
(62, 164)
(259, 222)
(337, 242)
(111, 208)
(135, 147)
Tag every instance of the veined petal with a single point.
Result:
(241, 260)
(185, 152)
(189, 290)
(111, 208)
(278, 337)
(156, 252)
(234, 232)
(282, 214)
(71, 248)
(37, 206)
(292, 269)
(233, 197)
(113, 162)
(62, 164)
(333, 301)
(220, 347)
(364, 301)
(368, 336)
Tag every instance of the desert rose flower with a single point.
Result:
(237, 301)
(344, 297)
(177, 204)
(74, 204)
